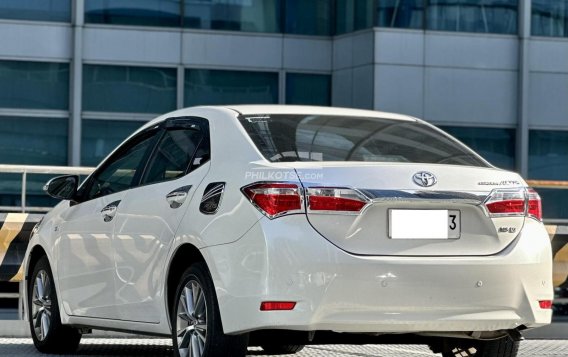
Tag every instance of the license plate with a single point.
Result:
(424, 224)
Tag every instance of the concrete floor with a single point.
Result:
(20, 347)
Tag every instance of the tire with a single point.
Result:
(48, 334)
(282, 349)
(199, 333)
(503, 347)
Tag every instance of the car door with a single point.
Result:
(85, 255)
(150, 214)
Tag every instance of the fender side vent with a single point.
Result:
(212, 198)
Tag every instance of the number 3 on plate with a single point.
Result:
(453, 224)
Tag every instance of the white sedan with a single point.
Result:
(281, 226)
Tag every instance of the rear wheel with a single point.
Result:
(48, 334)
(196, 321)
(282, 349)
(503, 347)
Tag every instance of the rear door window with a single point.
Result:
(180, 150)
(291, 138)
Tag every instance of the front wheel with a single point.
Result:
(196, 321)
(48, 334)
(503, 347)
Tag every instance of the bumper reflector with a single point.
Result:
(277, 305)
(545, 304)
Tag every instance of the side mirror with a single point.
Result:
(62, 187)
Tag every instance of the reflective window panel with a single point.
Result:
(308, 17)
(400, 14)
(489, 16)
(308, 89)
(34, 85)
(36, 10)
(100, 137)
(233, 15)
(353, 15)
(496, 145)
(139, 12)
(207, 87)
(550, 18)
(129, 89)
(548, 155)
(45, 144)
(554, 204)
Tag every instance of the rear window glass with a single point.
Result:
(286, 138)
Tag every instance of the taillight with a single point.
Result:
(275, 199)
(506, 202)
(535, 205)
(514, 202)
(334, 199)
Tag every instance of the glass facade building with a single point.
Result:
(118, 96)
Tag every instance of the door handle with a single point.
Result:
(109, 211)
(177, 197)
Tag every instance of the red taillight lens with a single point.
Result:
(545, 304)
(275, 199)
(507, 207)
(514, 202)
(277, 305)
(335, 199)
(535, 205)
(507, 202)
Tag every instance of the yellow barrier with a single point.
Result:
(14, 238)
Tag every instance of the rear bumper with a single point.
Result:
(286, 260)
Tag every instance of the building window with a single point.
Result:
(242, 15)
(550, 18)
(548, 155)
(129, 89)
(45, 144)
(489, 16)
(308, 17)
(495, 145)
(139, 12)
(400, 14)
(34, 85)
(100, 137)
(353, 15)
(36, 10)
(308, 89)
(208, 87)
(548, 160)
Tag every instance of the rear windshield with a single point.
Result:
(287, 138)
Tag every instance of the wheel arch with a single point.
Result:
(36, 253)
(184, 256)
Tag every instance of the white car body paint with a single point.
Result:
(343, 271)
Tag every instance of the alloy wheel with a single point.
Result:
(192, 320)
(41, 305)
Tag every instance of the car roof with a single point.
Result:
(274, 109)
(314, 110)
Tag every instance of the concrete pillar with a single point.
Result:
(522, 143)
(76, 83)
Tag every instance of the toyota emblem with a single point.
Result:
(424, 179)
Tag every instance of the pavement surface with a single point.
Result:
(16, 347)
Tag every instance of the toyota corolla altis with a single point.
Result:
(282, 226)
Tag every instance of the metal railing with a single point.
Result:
(24, 170)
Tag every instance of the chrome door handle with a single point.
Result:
(177, 197)
(109, 211)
